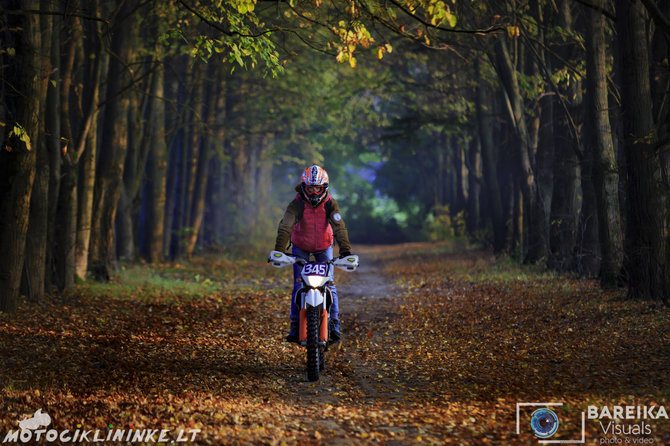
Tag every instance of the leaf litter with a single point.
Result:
(440, 343)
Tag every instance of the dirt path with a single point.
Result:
(369, 303)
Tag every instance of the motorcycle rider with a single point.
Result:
(310, 222)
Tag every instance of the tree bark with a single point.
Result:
(538, 237)
(588, 241)
(489, 164)
(87, 163)
(17, 158)
(125, 236)
(510, 83)
(474, 185)
(565, 200)
(66, 208)
(157, 168)
(605, 167)
(460, 174)
(518, 216)
(36, 238)
(645, 263)
(66, 224)
(215, 112)
(52, 123)
(113, 147)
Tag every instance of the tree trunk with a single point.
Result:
(564, 205)
(157, 168)
(588, 257)
(184, 164)
(461, 174)
(474, 185)
(85, 203)
(645, 265)
(661, 96)
(98, 68)
(66, 224)
(36, 238)
(518, 216)
(17, 157)
(171, 181)
(113, 147)
(86, 184)
(52, 122)
(66, 209)
(538, 237)
(440, 184)
(489, 164)
(213, 111)
(197, 207)
(125, 237)
(510, 83)
(565, 200)
(605, 168)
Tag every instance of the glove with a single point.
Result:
(344, 254)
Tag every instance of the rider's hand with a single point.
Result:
(344, 254)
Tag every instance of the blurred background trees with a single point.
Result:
(137, 130)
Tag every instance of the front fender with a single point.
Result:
(313, 298)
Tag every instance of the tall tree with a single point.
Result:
(509, 80)
(36, 239)
(88, 146)
(564, 205)
(20, 110)
(605, 165)
(645, 262)
(489, 163)
(114, 142)
(156, 168)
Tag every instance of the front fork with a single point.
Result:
(323, 329)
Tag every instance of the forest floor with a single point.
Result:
(440, 345)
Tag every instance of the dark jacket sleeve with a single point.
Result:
(339, 228)
(286, 226)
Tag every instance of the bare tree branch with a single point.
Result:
(609, 14)
(489, 30)
(60, 13)
(659, 18)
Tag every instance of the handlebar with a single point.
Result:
(280, 259)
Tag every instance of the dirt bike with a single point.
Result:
(314, 300)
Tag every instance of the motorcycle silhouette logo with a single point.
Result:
(38, 419)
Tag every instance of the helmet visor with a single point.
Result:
(315, 190)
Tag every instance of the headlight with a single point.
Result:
(315, 281)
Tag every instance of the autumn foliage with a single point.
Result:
(440, 343)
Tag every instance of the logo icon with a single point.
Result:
(544, 422)
(38, 419)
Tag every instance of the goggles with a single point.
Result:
(315, 190)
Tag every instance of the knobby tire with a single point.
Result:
(313, 348)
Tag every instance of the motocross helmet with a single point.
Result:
(314, 184)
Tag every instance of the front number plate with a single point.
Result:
(315, 269)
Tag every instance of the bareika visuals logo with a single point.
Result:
(627, 424)
(616, 424)
(35, 429)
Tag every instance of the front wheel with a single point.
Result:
(314, 353)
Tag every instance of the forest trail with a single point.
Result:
(440, 343)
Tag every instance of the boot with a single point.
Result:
(335, 335)
(293, 334)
